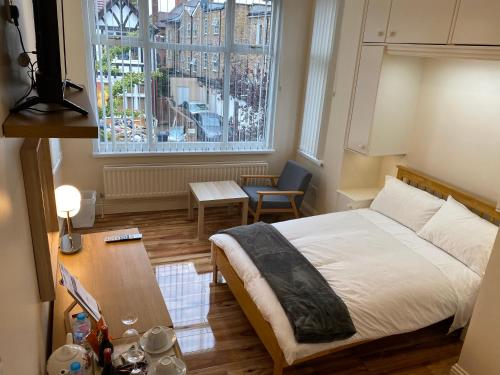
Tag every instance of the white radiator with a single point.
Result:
(150, 181)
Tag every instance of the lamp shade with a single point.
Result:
(68, 200)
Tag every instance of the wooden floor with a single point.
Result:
(215, 336)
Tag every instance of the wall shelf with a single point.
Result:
(60, 124)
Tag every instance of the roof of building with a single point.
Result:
(103, 5)
(259, 10)
(189, 6)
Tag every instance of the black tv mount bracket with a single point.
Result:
(67, 104)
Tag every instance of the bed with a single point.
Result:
(368, 270)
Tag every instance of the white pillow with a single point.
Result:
(406, 204)
(462, 234)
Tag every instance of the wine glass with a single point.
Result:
(134, 355)
(128, 319)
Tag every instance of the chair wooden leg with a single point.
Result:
(256, 216)
(294, 208)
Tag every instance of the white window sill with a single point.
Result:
(312, 159)
(177, 153)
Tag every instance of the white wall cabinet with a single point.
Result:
(377, 18)
(423, 21)
(478, 23)
(385, 98)
(409, 21)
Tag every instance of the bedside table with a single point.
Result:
(354, 198)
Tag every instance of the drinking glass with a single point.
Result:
(134, 355)
(130, 318)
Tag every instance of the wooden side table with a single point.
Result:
(217, 193)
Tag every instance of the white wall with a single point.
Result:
(23, 319)
(480, 351)
(457, 126)
(83, 170)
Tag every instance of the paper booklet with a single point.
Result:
(79, 293)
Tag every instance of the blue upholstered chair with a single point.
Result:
(284, 194)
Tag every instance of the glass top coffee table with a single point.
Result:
(216, 193)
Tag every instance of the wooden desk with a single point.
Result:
(215, 193)
(120, 278)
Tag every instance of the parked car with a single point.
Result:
(209, 127)
(192, 108)
(174, 134)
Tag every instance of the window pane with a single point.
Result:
(188, 96)
(119, 75)
(116, 19)
(248, 97)
(186, 93)
(188, 21)
(252, 23)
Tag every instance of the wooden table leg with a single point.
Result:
(244, 212)
(201, 220)
(215, 271)
(190, 205)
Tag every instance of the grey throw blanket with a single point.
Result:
(315, 312)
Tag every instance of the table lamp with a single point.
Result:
(68, 200)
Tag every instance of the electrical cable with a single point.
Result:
(64, 47)
(14, 13)
(31, 69)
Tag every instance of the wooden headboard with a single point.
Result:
(482, 207)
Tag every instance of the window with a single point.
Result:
(195, 30)
(151, 95)
(317, 92)
(215, 63)
(258, 33)
(205, 60)
(216, 26)
(205, 24)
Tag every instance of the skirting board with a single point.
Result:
(457, 370)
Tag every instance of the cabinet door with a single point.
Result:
(422, 21)
(365, 97)
(478, 22)
(377, 18)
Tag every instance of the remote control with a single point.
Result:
(123, 237)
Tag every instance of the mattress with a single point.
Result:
(391, 280)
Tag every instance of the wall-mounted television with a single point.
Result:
(49, 82)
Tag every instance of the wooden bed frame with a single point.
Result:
(264, 330)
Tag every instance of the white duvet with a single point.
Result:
(391, 280)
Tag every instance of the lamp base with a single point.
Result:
(71, 244)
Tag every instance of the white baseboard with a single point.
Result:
(458, 370)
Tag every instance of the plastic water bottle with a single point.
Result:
(81, 328)
(76, 368)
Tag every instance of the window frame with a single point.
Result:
(227, 49)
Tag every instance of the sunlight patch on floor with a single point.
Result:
(187, 295)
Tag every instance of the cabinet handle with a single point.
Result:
(380, 33)
(392, 33)
(362, 147)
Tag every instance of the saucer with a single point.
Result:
(179, 364)
(171, 339)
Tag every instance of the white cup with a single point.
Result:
(166, 366)
(158, 338)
